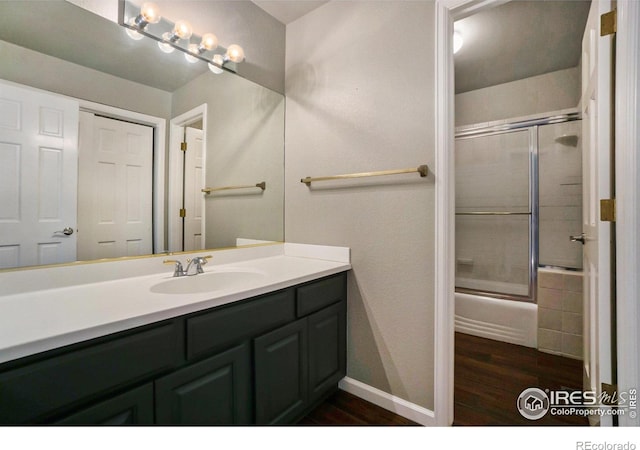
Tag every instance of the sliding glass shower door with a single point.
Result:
(496, 213)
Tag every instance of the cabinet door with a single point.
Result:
(281, 373)
(215, 391)
(327, 349)
(134, 407)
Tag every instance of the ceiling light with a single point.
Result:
(457, 41)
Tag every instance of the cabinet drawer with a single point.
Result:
(42, 388)
(316, 295)
(134, 407)
(215, 330)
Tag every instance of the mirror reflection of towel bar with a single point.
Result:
(422, 170)
(262, 185)
(493, 213)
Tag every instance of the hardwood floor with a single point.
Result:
(490, 375)
(343, 408)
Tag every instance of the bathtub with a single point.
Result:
(502, 320)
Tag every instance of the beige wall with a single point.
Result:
(245, 142)
(41, 71)
(544, 93)
(359, 86)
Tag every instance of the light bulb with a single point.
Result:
(193, 48)
(150, 12)
(165, 47)
(235, 53)
(219, 60)
(209, 42)
(457, 42)
(133, 34)
(181, 30)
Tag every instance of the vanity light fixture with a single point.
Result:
(149, 13)
(209, 42)
(181, 30)
(171, 36)
(234, 53)
(217, 67)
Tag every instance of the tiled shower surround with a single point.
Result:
(560, 312)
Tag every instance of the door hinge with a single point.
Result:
(609, 394)
(183, 212)
(608, 210)
(608, 23)
(183, 146)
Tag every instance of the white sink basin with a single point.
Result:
(207, 282)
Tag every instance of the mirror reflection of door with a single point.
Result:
(114, 188)
(38, 169)
(193, 182)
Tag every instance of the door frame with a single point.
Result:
(159, 143)
(627, 167)
(176, 167)
(627, 191)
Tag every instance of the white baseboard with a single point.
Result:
(406, 409)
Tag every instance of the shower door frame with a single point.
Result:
(532, 125)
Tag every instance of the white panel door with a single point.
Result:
(38, 177)
(114, 188)
(193, 196)
(597, 164)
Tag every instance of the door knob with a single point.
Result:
(68, 231)
(578, 238)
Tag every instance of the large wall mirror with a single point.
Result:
(91, 160)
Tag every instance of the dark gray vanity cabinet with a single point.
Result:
(265, 360)
(327, 349)
(215, 391)
(134, 407)
(300, 363)
(281, 365)
(39, 388)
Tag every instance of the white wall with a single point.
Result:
(543, 93)
(360, 97)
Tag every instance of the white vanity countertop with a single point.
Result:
(40, 320)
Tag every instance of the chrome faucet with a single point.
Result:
(196, 262)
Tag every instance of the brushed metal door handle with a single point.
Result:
(68, 231)
(578, 238)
